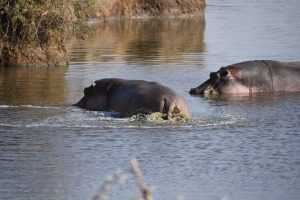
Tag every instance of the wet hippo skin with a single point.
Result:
(252, 77)
(130, 97)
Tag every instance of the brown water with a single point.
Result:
(235, 147)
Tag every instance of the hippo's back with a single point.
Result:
(135, 96)
(285, 75)
(295, 64)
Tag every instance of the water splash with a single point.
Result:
(72, 117)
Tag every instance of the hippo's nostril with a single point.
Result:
(196, 91)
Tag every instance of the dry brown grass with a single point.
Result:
(152, 8)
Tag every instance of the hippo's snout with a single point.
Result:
(81, 103)
(202, 89)
(209, 86)
(196, 91)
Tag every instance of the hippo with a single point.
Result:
(256, 76)
(131, 97)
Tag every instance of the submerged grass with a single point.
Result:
(158, 117)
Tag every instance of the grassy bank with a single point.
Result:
(152, 8)
(38, 32)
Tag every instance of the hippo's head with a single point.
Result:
(96, 96)
(226, 80)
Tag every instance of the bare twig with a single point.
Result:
(138, 174)
(119, 178)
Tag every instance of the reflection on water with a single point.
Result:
(32, 86)
(254, 98)
(234, 147)
(144, 41)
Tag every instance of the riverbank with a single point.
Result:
(151, 8)
(40, 33)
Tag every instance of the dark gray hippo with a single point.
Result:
(252, 77)
(131, 97)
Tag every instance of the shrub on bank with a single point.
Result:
(37, 32)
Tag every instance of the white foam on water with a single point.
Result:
(10, 125)
(29, 106)
(84, 120)
(5, 106)
(72, 117)
(39, 107)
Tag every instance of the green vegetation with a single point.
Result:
(33, 32)
(38, 32)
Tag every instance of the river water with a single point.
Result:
(235, 147)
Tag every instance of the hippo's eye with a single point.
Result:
(224, 73)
